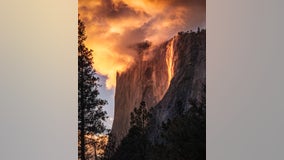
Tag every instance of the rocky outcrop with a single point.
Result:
(165, 77)
(187, 82)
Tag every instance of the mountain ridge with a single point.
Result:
(166, 81)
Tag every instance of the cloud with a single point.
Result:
(115, 26)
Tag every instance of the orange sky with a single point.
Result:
(114, 26)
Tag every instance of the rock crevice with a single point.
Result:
(167, 80)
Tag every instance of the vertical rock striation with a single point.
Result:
(187, 82)
(166, 78)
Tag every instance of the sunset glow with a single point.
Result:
(113, 26)
(169, 60)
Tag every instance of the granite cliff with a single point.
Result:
(166, 77)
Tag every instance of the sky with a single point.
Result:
(115, 28)
(107, 94)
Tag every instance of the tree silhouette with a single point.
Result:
(90, 111)
(185, 135)
(110, 147)
(182, 138)
(134, 145)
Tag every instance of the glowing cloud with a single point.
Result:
(113, 26)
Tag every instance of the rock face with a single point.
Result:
(166, 78)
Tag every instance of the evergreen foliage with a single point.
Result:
(90, 108)
(135, 145)
(185, 135)
(182, 138)
(110, 147)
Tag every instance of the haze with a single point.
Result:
(114, 26)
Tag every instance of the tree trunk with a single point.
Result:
(83, 139)
(95, 151)
(82, 136)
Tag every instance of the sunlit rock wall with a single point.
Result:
(187, 82)
(170, 73)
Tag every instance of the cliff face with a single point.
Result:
(166, 78)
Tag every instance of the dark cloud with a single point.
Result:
(117, 29)
(110, 10)
(191, 3)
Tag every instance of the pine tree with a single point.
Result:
(110, 147)
(134, 145)
(139, 117)
(185, 135)
(90, 111)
